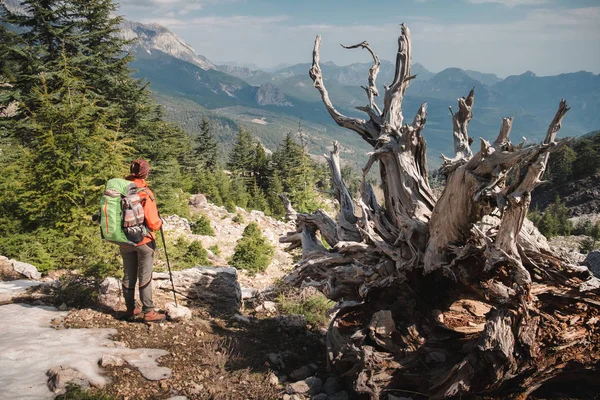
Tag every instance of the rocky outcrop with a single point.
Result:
(593, 262)
(153, 36)
(582, 196)
(217, 288)
(269, 95)
(27, 270)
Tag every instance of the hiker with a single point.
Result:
(138, 259)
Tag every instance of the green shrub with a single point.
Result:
(75, 392)
(553, 221)
(215, 250)
(77, 291)
(314, 308)
(587, 245)
(185, 254)
(230, 206)
(202, 226)
(80, 248)
(238, 219)
(252, 252)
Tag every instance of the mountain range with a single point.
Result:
(265, 101)
(272, 102)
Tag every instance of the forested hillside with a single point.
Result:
(79, 117)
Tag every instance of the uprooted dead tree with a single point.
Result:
(451, 296)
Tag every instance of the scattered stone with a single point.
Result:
(332, 385)
(27, 270)
(273, 379)
(111, 361)
(301, 373)
(198, 200)
(311, 386)
(177, 398)
(593, 262)
(110, 295)
(217, 286)
(248, 293)
(177, 313)
(60, 376)
(241, 318)
(276, 360)
(177, 224)
(63, 307)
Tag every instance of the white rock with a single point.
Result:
(26, 270)
(248, 293)
(177, 313)
(110, 294)
(270, 306)
(108, 360)
(59, 376)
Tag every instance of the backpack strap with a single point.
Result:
(148, 192)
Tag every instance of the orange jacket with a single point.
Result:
(151, 218)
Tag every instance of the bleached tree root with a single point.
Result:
(449, 297)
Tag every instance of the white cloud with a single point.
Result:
(545, 41)
(512, 3)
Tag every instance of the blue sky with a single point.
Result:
(505, 37)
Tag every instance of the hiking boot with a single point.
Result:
(153, 316)
(131, 314)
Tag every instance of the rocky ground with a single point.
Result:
(235, 343)
(582, 197)
(234, 339)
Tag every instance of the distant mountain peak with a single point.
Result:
(530, 74)
(154, 36)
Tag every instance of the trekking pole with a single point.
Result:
(162, 234)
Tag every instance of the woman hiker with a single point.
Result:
(138, 259)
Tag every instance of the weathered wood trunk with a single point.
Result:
(451, 296)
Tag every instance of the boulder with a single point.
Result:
(27, 270)
(110, 294)
(301, 373)
(108, 360)
(177, 313)
(60, 376)
(198, 200)
(214, 286)
(593, 262)
(310, 386)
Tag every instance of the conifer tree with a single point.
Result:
(70, 138)
(242, 156)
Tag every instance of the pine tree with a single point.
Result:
(70, 138)
(242, 155)
(206, 148)
(297, 174)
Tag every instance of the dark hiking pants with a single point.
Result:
(137, 266)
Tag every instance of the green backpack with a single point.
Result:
(122, 213)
